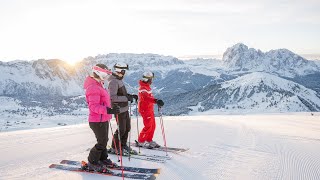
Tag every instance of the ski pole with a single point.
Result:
(129, 131)
(114, 142)
(162, 128)
(119, 138)
(137, 125)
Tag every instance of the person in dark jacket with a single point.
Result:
(120, 97)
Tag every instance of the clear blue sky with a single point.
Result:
(74, 29)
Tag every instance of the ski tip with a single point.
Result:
(52, 166)
(63, 161)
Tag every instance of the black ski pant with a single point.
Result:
(125, 126)
(99, 150)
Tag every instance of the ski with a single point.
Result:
(152, 156)
(125, 168)
(157, 160)
(170, 149)
(107, 173)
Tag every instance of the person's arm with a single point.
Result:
(144, 96)
(93, 99)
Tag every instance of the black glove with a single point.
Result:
(160, 103)
(114, 110)
(134, 96)
(130, 98)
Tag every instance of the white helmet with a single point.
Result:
(119, 67)
(101, 70)
(148, 75)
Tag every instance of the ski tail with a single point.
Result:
(161, 148)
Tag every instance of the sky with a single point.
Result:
(74, 29)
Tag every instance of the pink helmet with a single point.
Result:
(101, 70)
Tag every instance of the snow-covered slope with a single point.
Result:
(221, 147)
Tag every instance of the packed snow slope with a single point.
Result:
(278, 146)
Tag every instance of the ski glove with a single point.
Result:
(159, 102)
(135, 97)
(130, 98)
(114, 110)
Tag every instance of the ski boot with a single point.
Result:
(117, 151)
(147, 145)
(96, 167)
(130, 150)
(154, 144)
(108, 163)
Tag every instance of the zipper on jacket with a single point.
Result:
(101, 118)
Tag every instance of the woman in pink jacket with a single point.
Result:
(98, 100)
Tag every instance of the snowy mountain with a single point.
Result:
(136, 61)
(172, 76)
(250, 93)
(281, 62)
(41, 77)
(56, 87)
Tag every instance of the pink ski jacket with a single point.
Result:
(98, 100)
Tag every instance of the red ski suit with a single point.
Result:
(145, 107)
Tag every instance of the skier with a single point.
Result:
(119, 96)
(98, 100)
(145, 107)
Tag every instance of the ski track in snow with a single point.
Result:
(221, 147)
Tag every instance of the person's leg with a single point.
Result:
(121, 131)
(104, 153)
(152, 128)
(99, 129)
(115, 140)
(143, 136)
(126, 128)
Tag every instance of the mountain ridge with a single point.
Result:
(28, 80)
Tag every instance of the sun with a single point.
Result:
(72, 61)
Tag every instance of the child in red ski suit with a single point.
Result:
(145, 107)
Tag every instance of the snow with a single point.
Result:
(260, 146)
(207, 67)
